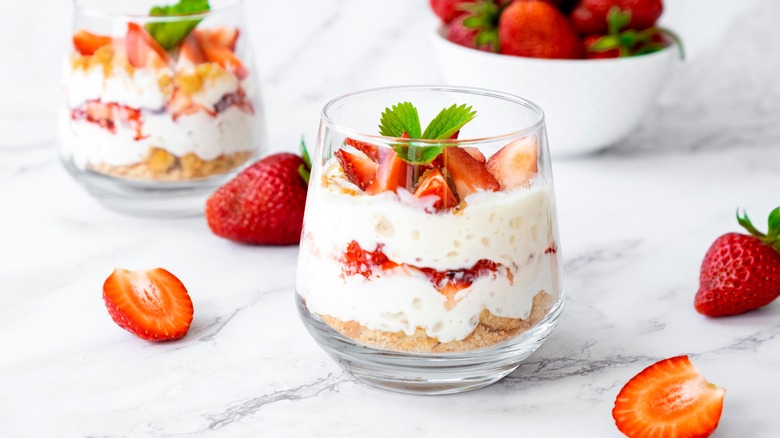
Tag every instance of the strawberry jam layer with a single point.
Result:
(108, 115)
(374, 264)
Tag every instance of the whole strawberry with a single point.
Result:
(741, 272)
(590, 16)
(447, 10)
(263, 205)
(458, 33)
(536, 28)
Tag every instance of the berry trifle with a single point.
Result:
(160, 101)
(417, 242)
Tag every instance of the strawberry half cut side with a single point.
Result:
(515, 164)
(433, 183)
(154, 304)
(142, 50)
(669, 399)
(467, 173)
(359, 170)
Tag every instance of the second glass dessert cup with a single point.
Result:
(160, 105)
(429, 259)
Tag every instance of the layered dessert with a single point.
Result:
(455, 254)
(136, 109)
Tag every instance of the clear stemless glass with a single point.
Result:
(430, 275)
(158, 111)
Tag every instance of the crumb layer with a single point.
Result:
(491, 330)
(161, 165)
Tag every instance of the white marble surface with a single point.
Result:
(635, 223)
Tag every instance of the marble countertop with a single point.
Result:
(635, 221)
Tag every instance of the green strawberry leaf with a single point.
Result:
(417, 154)
(617, 19)
(448, 121)
(774, 227)
(746, 224)
(170, 34)
(401, 118)
(607, 42)
(304, 170)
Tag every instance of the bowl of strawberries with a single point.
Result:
(594, 66)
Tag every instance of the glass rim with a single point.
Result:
(350, 132)
(97, 12)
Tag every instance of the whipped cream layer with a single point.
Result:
(512, 228)
(205, 135)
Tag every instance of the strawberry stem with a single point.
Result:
(304, 170)
(772, 237)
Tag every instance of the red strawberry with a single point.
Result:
(447, 10)
(190, 51)
(741, 272)
(432, 182)
(669, 399)
(459, 34)
(358, 170)
(153, 305)
(590, 16)
(87, 43)
(537, 29)
(263, 204)
(468, 174)
(215, 51)
(514, 164)
(475, 153)
(391, 174)
(142, 50)
(221, 36)
(370, 150)
(592, 52)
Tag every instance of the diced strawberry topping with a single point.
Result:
(476, 154)
(87, 43)
(221, 36)
(467, 173)
(191, 52)
(222, 55)
(359, 170)
(391, 175)
(433, 183)
(108, 115)
(370, 150)
(142, 50)
(515, 164)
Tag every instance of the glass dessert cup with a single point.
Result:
(430, 275)
(158, 111)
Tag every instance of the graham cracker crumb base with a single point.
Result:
(491, 330)
(161, 165)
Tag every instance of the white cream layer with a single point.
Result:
(512, 228)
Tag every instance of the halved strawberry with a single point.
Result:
(668, 399)
(468, 174)
(191, 52)
(370, 150)
(432, 182)
(476, 153)
(514, 164)
(221, 36)
(153, 305)
(222, 55)
(87, 43)
(142, 50)
(358, 170)
(391, 174)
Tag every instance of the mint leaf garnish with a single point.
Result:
(448, 122)
(169, 34)
(401, 118)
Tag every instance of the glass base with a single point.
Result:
(428, 374)
(149, 198)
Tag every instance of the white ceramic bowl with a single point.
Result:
(588, 104)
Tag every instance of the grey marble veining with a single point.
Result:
(635, 222)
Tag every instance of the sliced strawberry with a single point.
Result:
(221, 36)
(514, 164)
(432, 182)
(191, 52)
(142, 50)
(468, 174)
(370, 150)
(476, 154)
(153, 305)
(668, 399)
(87, 43)
(222, 55)
(390, 175)
(181, 105)
(359, 170)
